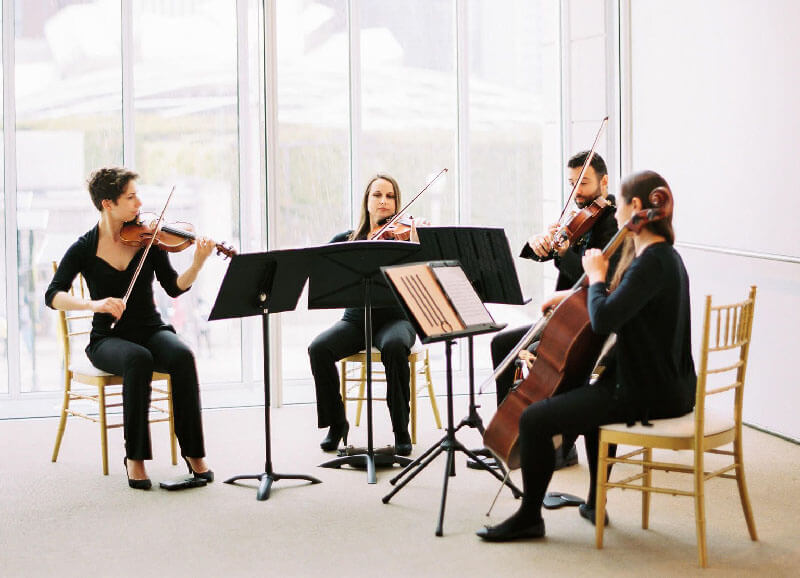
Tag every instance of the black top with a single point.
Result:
(569, 265)
(649, 311)
(355, 315)
(104, 281)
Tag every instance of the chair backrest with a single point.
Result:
(723, 354)
(66, 321)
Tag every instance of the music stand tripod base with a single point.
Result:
(266, 479)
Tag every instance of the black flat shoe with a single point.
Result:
(208, 475)
(335, 433)
(501, 533)
(588, 512)
(144, 484)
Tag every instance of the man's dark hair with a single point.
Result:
(598, 164)
(109, 183)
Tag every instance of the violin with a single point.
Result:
(397, 230)
(172, 237)
(580, 222)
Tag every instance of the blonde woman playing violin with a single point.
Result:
(140, 342)
(392, 334)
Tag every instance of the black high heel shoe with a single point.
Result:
(336, 432)
(208, 475)
(402, 444)
(144, 484)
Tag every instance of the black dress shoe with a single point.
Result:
(335, 433)
(207, 475)
(402, 444)
(588, 512)
(144, 484)
(501, 533)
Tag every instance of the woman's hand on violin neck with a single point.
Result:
(596, 265)
(113, 305)
(556, 298)
(203, 248)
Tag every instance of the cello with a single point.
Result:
(568, 347)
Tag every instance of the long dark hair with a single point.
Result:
(640, 185)
(362, 230)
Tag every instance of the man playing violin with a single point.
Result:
(567, 259)
(392, 334)
(130, 339)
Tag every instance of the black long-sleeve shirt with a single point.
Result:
(649, 311)
(569, 264)
(103, 281)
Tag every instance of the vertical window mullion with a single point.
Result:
(127, 58)
(354, 35)
(10, 193)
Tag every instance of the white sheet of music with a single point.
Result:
(462, 295)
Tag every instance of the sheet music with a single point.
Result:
(462, 295)
(425, 299)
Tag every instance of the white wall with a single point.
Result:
(715, 108)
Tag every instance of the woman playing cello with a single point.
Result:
(140, 342)
(647, 306)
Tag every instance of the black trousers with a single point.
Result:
(135, 356)
(393, 339)
(580, 411)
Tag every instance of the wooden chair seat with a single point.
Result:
(419, 363)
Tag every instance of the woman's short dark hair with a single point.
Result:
(109, 183)
(598, 164)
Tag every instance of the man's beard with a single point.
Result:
(582, 205)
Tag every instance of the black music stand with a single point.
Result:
(420, 305)
(260, 284)
(348, 275)
(485, 256)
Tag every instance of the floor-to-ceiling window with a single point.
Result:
(185, 126)
(68, 96)
(3, 304)
(182, 92)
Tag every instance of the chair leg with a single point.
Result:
(648, 483)
(62, 422)
(361, 392)
(101, 399)
(343, 383)
(600, 493)
(743, 494)
(431, 393)
(699, 507)
(413, 392)
(173, 441)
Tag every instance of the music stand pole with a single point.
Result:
(268, 476)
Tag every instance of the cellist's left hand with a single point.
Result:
(595, 265)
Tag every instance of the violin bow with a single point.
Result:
(586, 164)
(399, 213)
(144, 255)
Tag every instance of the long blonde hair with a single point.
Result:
(640, 185)
(362, 230)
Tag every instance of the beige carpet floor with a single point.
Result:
(67, 519)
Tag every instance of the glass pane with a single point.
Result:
(311, 203)
(185, 114)
(68, 95)
(511, 101)
(408, 102)
(3, 310)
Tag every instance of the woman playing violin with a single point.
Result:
(648, 308)
(139, 342)
(392, 334)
